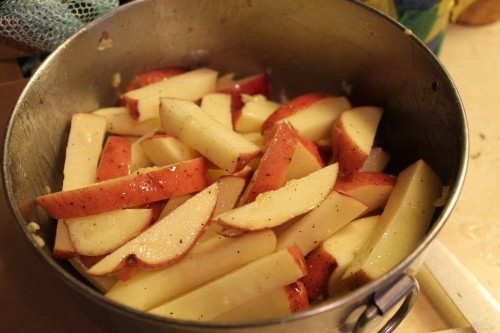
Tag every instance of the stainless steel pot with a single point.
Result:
(306, 46)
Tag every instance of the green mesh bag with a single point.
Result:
(45, 24)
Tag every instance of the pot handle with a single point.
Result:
(406, 287)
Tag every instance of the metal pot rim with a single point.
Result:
(325, 306)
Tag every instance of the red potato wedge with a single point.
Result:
(252, 115)
(376, 161)
(352, 137)
(219, 144)
(225, 293)
(80, 167)
(130, 191)
(83, 150)
(312, 115)
(371, 188)
(163, 150)
(252, 85)
(272, 170)
(218, 106)
(291, 107)
(164, 243)
(119, 122)
(288, 156)
(274, 208)
(332, 214)
(320, 266)
(297, 295)
(147, 289)
(152, 76)
(103, 233)
(277, 303)
(144, 103)
(329, 261)
(404, 221)
(115, 159)
(343, 246)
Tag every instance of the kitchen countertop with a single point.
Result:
(471, 55)
(33, 300)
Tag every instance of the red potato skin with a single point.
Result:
(297, 296)
(292, 107)
(271, 173)
(269, 135)
(89, 261)
(299, 258)
(311, 146)
(320, 265)
(131, 104)
(344, 151)
(182, 178)
(159, 134)
(63, 254)
(115, 158)
(153, 76)
(272, 170)
(244, 160)
(253, 85)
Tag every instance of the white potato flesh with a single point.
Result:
(221, 145)
(121, 123)
(253, 114)
(302, 164)
(403, 224)
(189, 86)
(316, 121)
(360, 124)
(343, 246)
(147, 289)
(236, 288)
(218, 106)
(168, 239)
(273, 208)
(332, 214)
(165, 150)
(84, 148)
(273, 304)
(102, 233)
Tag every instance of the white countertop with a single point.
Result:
(471, 55)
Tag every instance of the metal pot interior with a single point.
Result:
(305, 46)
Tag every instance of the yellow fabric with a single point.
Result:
(443, 12)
